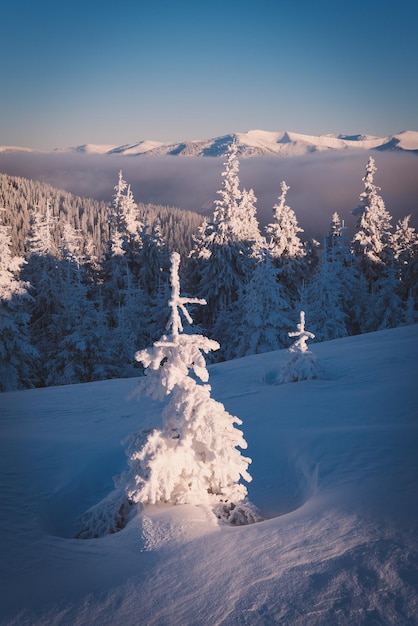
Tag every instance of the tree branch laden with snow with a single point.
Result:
(193, 458)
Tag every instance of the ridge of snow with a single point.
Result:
(89, 148)
(250, 144)
(261, 142)
(137, 148)
(18, 149)
(408, 139)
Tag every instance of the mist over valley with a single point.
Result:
(320, 183)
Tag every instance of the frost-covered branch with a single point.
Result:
(177, 302)
(303, 365)
(300, 345)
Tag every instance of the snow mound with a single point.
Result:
(163, 525)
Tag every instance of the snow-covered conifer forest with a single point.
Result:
(85, 284)
(324, 456)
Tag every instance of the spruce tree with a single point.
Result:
(303, 364)
(124, 299)
(404, 241)
(372, 241)
(249, 231)
(285, 245)
(324, 298)
(351, 290)
(193, 458)
(17, 354)
(153, 278)
(284, 240)
(83, 351)
(388, 310)
(405, 252)
(222, 255)
(263, 312)
(43, 274)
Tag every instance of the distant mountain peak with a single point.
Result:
(252, 143)
(4, 149)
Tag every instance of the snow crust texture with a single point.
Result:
(335, 475)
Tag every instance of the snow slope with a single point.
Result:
(335, 474)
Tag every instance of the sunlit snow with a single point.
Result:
(335, 475)
(252, 143)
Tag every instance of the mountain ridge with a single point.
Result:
(252, 143)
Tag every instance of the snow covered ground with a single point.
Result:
(335, 475)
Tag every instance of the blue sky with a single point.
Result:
(107, 72)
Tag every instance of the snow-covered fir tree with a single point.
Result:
(405, 253)
(300, 345)
(351, 297)
(130, 210)
(153, 258)
(387, 309)
(410, 281)
(154, 266)
(83, 350)
(372, 241)
(130, 281)
(227, 207)
(324, 297)
(283, 232)
(247, 218)
(17, 354)
(116, 281)
(124, 244)
(264, 312)
(193, 458)
(404, 241)
(336, 243)
(223, 253)
(132, 329)
(118, 217)
(41, 240)
(336, 231)
(411, 313)
(286, 247)
(303, 364)
(124, 226)
(42, 272)
(71, 246)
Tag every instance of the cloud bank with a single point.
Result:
(319, 183)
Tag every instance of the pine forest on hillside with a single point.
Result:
(89, 217)
(84, 285)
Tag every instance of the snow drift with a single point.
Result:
(335, 475)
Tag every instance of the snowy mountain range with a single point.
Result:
(251, 144)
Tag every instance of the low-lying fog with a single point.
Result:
(319, 183)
